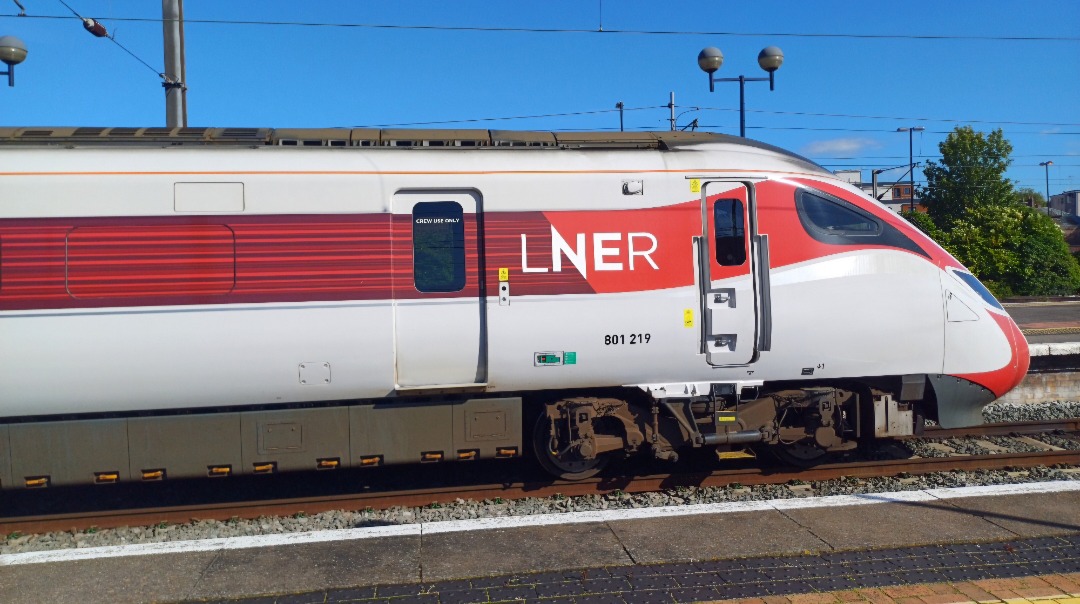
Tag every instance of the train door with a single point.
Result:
(439, 315)
(733, 268)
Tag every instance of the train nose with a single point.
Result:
(1021, 355)
(986, 356)
(1009, 376)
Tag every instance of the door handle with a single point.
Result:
(725, 297)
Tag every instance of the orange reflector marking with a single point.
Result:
(506, 452)
(153, 474)
(430, 456)
(219, 470)
(468, 455)
(106, 477)
(328, 464)
(263, 468)
(37, 482)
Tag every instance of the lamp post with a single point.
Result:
(12, 52)
(911, 158)
(1046, 164)
(770, 58)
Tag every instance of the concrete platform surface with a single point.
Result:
(622, 557)
(1047, 322)
(1035, 315)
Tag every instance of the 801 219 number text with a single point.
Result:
(631, 339)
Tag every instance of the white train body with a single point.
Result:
(140, 278)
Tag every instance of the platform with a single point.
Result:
(688, 553)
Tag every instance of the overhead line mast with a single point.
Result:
(172, 23)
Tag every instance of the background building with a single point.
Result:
(895, 196)
(1065, 203)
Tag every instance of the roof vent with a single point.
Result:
(251, 133)
(189, 132)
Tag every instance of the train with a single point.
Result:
(211, 302)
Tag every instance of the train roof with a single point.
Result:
(377, 138)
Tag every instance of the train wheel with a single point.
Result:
(800, 454)
(568, 466)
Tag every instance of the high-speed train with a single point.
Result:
(211, 302)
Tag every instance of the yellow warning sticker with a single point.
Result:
(688, 317)
(504, 274)
(695, 185)
(734, 455)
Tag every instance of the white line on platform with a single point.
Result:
(511, 522)
(1054, 349)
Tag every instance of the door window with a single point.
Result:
(730, 232)
(438, 246)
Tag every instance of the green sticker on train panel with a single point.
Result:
(547, 359)
(554, 358)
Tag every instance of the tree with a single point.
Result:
(971, 174)
(975, 214)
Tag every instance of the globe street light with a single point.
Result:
(911, 158)
(1046, 164)
(770, 59)
(12, 52)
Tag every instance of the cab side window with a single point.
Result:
(828, 216)
(835, 221)
(438, 246)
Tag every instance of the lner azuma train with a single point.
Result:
(192, 302)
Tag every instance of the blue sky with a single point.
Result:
(838, 100)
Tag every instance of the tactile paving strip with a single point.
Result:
(729, 579)
(1050, 331)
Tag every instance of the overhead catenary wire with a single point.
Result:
(511, 117)
(604, 111)
(600, 31)
(766, 112)
(887, 117)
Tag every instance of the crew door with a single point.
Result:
(439, 315)
(733, 268)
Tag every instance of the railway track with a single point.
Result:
(743, 474)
